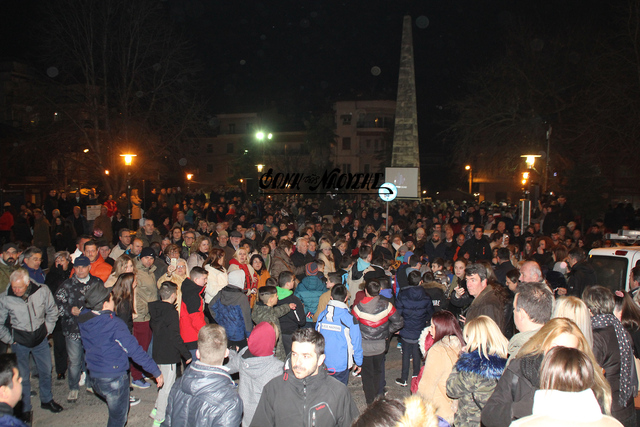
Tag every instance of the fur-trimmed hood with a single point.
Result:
(418, 413)
(435, 284)
(489, 368)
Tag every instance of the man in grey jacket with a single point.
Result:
(32, 314)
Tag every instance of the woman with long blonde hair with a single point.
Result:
(477, 371)
(513, 396)
(175, 274)
(575, 309)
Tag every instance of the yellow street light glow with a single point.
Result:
(128, 158)
(241, 180)
(260, 135)
(530, 159)
(189, 176)
(260, 167)
(467, 167)
(106, 171)
(524, 181)
(86, 150)
(525, 175)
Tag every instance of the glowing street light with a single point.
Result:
(106, 171)
(260, 167)
(86, 150)
(128, 158)
(468, 168)
(189, 176)
(530, 159)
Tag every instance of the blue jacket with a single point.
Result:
(416, 308)
(231, 310)
(108, 345)
(309, 291)
(343, 341)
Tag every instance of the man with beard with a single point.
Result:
(325, 400)
(7, 264)
(435, 248)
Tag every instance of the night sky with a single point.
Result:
(301, 55)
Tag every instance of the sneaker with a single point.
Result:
(400, 382)
(140, 384)
(73, 396)
(157, 423)
(133, 401)
(399, 345)
(83, 379)
(90, 390)
(153, 413)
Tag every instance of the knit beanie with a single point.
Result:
(236, 278)
(311, 269)
(262, 340)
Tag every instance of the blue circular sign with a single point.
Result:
(388, 191)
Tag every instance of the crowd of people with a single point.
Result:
(257, 312)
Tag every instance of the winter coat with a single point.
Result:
(195, 260)
(146, 291)
(148, 240)
(322, 304)
(342, 337)
(554, 408)
(263, 313)
(378, 320)
(216, 281)
(513, 395)
(5, 273)
(318, 400)
(582, 276)
(280, 262)
(441, 358)
(255, 373)
(101, 269)
(55, 277)
(103, 222)
(472, 382)
(168, 345)
(295, 319)
(607, 353)
(309, 291)
(230, 308)
(136, 210)
(71, 294)
(435, 251)
(27, 322)
(108, 345)
(41, 235)
(488, 304)
(438, 294)
(6, 417)
(416, 308)
(205, 395)
(478, 250)
(191, 313)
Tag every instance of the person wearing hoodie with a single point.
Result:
(295, 318)
(305, 395)
(192, 308)
(342, 336)
(168, 344)
(416, 308)
(311, 288)
(230, 308)
(256, 365)
(378, 320)
(108, 346)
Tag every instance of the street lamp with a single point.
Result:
(468, 167)
(530, 159)
(128, 161)
(260, 167)
(189, 178)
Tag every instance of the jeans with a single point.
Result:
(342, 376)
(169, 375)
(116, 392)
(76, 361)
(42, 356)
(410, 350)
(372, 367)
(142, 333)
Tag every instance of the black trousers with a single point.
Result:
(372, 367)
(59, 349)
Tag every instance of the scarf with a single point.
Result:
(627, 387)
(248, 279)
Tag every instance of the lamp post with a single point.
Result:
(189, 178)
(128, 161)
(468, 167)
(260, 136)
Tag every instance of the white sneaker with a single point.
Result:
(73, 396)
(83, 379)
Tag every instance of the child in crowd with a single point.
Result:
(294, 319)
(265, 310)
(343, 340)
(311, 288)
(332, 280)
(168, 345)
(256, 365)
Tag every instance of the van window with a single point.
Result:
(611, 271)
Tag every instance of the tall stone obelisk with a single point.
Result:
(405, 137)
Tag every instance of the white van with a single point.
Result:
(613, 265)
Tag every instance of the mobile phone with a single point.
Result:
(174, 262)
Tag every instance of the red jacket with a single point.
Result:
(191, 313)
